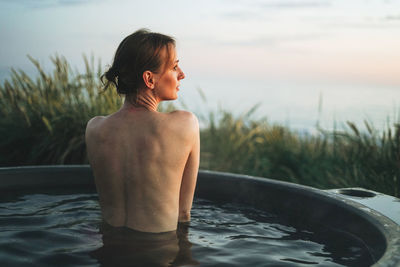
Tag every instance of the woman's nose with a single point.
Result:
(181, 75)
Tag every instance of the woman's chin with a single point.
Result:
(171, 98)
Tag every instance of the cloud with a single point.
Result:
(46, 3)
(255, 10)
(295, 4)
(279, 3)
(272, 40)
(392, 17)
(241, 15)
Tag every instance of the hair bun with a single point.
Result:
(113, 72)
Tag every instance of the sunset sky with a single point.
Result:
(283, 54)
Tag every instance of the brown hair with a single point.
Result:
(137, 53)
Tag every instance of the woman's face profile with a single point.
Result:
(168, 81)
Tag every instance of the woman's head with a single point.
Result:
(139, 52)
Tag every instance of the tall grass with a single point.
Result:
(347, 158)
(43, 122)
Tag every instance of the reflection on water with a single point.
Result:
(126, 247)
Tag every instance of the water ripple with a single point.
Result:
(44, 230)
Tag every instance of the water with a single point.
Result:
(51, 229)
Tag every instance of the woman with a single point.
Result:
(145, 163)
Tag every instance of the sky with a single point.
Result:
(288, 56)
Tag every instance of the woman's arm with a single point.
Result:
(189, 177)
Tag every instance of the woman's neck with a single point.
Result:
(145, 99)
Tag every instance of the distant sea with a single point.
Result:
(298, 106)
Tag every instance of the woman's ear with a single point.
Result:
(149, 79)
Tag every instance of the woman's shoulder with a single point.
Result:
(95, 121)
(183, 121)
(184, 116)
(94, 124)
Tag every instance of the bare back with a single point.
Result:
(145, 165)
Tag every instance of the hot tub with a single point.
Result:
(351, 213)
